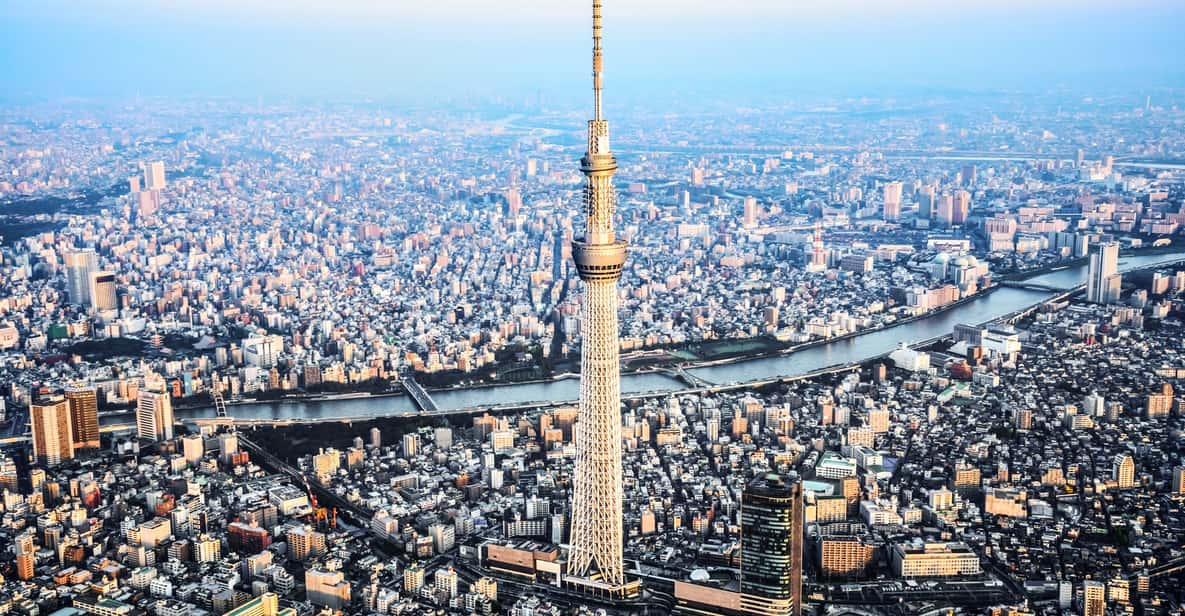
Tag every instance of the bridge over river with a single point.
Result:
(1003, 303)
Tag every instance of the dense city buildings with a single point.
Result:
(867, 355)
(202, 291)
(880, 485)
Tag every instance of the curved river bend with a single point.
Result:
(852, 350)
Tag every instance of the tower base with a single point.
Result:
(594, 587)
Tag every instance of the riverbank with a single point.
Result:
(998, 303)
(803, 346)
(661, 367)
(1065, 264)
(777, 349)
(295, 397)
(488, 385)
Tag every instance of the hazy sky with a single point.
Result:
(433, 49)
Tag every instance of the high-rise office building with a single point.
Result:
(818, 253)
(1022, 419)
(1123, 471)
(102, 291)
(304, 542)
(411, 445)
(1178, 486)
(327, 588)
(1159, 404)
(1103, 280)
(80, 264)
(154, 414)
(154, 175)
(26, 555)
(514, 201)
(749, 215)
(1094, 598)
(1094, 405)
(228, 447)
(892, 205)
(53, 441)
(960, 207)
(147, 202)
(84, 417)
(596, 533)
(193, 447)
(925, 199)
(967, 175)
(944, 210)
(771, 543)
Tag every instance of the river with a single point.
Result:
(1159, 166)
(855, 349)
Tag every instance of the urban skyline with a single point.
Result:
(852, 319)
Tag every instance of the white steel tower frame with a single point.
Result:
(596, 532)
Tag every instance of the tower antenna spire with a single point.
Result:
(598, 59)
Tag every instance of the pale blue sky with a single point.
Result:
(433, 49)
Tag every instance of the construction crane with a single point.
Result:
(321, 516)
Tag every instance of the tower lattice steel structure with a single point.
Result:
(596, 533)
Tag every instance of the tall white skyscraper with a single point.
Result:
(596, 532)
(892, 205)
(1123, 471)
(154, 414)
(1103, 280)
(925, 199)
(960, 207)
(80, 265)
(154, 176)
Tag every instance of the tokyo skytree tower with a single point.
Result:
(596, 532)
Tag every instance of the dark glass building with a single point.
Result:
(771, 541)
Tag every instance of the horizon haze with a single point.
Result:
(755, 50)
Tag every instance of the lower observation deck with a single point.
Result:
(597, 262)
